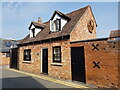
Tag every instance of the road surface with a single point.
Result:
(13, 79)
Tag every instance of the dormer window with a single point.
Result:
(36, 27)
(57, 24)
(57, 21)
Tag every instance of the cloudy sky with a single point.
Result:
(16, 16)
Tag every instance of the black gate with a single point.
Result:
(14, 58)
(78, 64)
(45, 61)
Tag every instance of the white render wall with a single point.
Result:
(63, 22)
(37, 30)
(31, 35)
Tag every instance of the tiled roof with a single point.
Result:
(61, 14)
(115, 33)
(36, 24)
(66, 30)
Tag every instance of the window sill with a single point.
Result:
(56, 64)
(27, 62)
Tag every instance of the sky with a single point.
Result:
(17, 16)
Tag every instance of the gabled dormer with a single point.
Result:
(36, 27)
(57, 21)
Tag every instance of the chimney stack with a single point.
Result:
(39, 20)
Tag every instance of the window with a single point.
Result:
(33, 32)
(57, 24)
(57, 54)
(27, 55)
(7, 54)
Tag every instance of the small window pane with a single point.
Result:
(56, 54)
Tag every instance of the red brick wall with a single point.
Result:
(80, 31)
(62, 70)
(4, 60)
(107, 55)
(34, 65)
(118, 64)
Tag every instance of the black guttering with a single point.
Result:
(45, 40)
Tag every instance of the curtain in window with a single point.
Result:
(57, 24)
(51, 26)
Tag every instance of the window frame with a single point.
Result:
(29, 53)
(56, 25)
(56, 61)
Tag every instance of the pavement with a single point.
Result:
(12, 78)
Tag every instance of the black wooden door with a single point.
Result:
(14, 58)
(45, 61)
(78, 64)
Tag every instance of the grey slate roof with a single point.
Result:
(5, 45)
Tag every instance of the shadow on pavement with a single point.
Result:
(21, 82)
